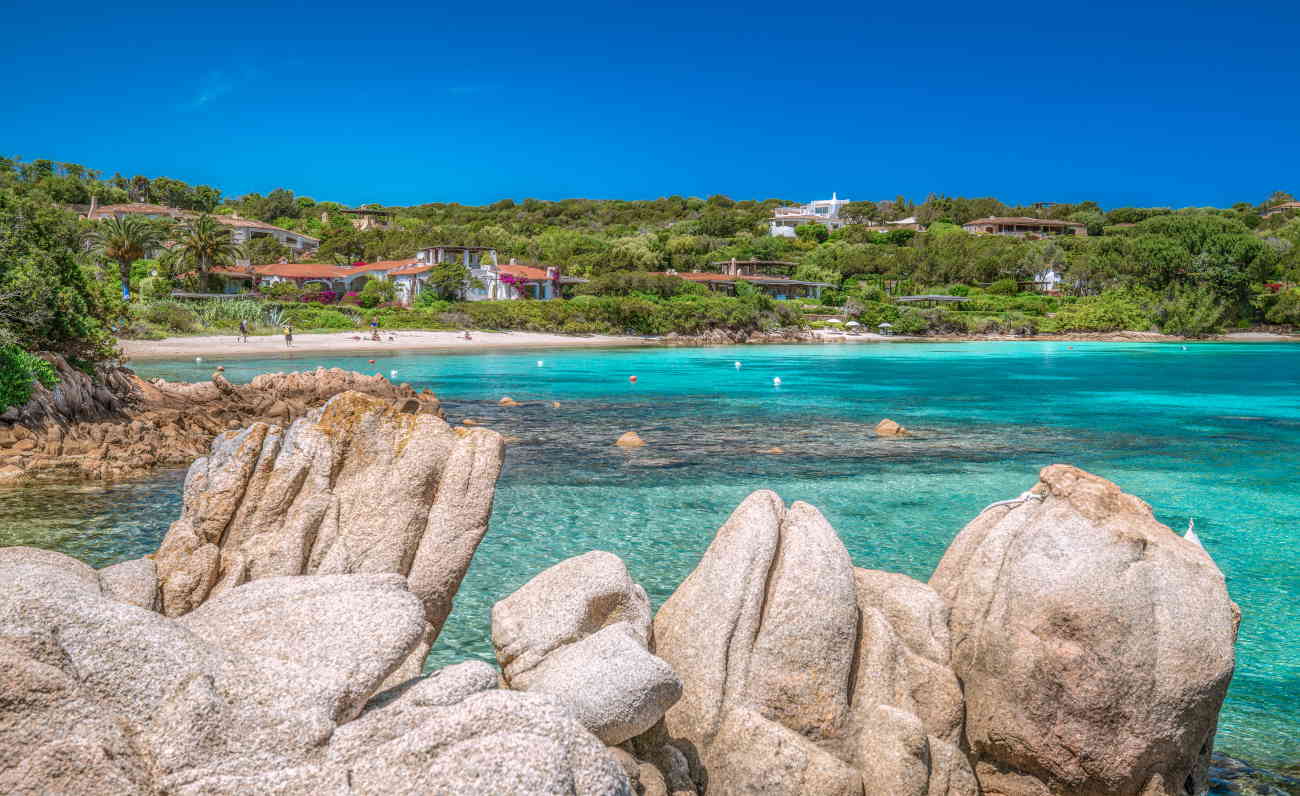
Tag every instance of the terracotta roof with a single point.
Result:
(1285, 206)
(303, 270)
(524, 272)
(331, 271)
(381, 265)
(418, 268)
(1041, 222)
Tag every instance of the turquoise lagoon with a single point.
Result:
(1208, 432)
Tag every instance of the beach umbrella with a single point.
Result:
(852, 323)
(886, 325)
(834, 320)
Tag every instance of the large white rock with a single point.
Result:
(105, 697)
(360, 485)
(610, 682)
(766, 621)
(359, 627)
(1094, 644)
(563, 604)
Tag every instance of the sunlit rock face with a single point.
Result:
(1094, 644)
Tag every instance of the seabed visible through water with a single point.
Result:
(1210, 432)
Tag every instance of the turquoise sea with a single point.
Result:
(1208, 431)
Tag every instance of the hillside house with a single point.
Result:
(778, 287)
(1024, 227)
(1293, 207)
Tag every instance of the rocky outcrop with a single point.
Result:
(1067, 643)
(105, 697)
(630, 439)
(580, 632)
(1094, 644)
(361, 485)
(782, 644)
(116, 425)
(78, 397)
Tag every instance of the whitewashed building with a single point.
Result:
(821, 211)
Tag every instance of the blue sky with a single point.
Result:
(1190, 103)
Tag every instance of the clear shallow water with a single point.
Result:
(1211, 432)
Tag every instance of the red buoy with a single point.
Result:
(632, 379)
(372, 362)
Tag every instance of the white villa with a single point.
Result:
(822, 211)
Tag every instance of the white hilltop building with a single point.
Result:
(822, 211)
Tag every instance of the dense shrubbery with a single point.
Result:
(1190, 312)
(685, 315)
(1285, 308)
(19, 370)
(640, 283)
(1114, 310)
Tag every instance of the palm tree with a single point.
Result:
(203, 242)
(125, 240)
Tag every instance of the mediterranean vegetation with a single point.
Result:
(70, 286)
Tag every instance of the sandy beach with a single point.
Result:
(351, 342)
(415, 340)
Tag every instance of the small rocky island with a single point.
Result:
(1067, 643)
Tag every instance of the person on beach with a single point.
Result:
(288, 336)
(243, 331)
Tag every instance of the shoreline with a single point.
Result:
(343, 343)
(261, 346)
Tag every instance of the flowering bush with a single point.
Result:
(322, 297)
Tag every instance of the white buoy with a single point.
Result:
(1184, 348)
(776, 381)
(198, 359)
(540, 363)
(737, 366)
(392, 374)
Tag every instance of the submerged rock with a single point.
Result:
(1094, 644)
(888, 428)
(630, 439)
